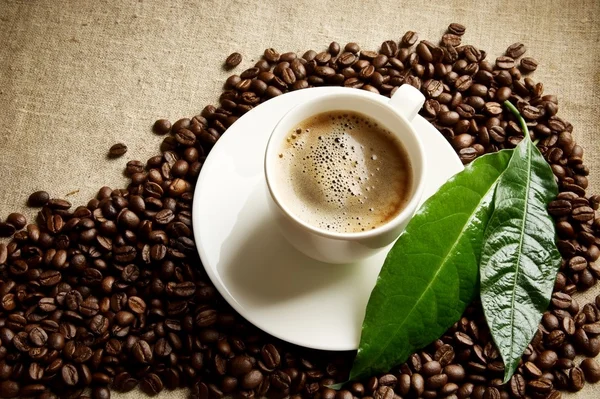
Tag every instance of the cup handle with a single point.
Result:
(407, 100)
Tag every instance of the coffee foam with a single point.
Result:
(344, 172)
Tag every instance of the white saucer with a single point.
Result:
(257, 271)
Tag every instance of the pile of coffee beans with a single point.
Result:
(112, 295)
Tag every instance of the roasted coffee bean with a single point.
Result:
(388, 380)
(142, 351)
(417, 384)
(38, 336)
(528, 64)
(35, 372)
(70, 376)
(101, 392)
(56, 341)
(240, 365)
(124, 382)
(233, 60)
(9, 389)
(136, 305)
(38, 199)
(185, 137)
(117, 150)
(252, 379)
(516, 50)
(7, 229)
(448, 118)
(270, 356)
(151, 384)
(17, 220)
(32, 390)
(547, 360)
(582, 214)
(456, 29)
(161, 126)
(409, 39)
(431, 368)
(591, 370)
(576, 379)
(58, 204)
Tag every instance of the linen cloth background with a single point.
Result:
(79, 76)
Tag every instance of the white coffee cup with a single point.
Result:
(330, 246)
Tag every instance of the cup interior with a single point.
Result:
(355, 101)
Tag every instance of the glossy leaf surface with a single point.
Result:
(519, 258)
(430, 275)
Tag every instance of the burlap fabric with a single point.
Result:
(79, 76)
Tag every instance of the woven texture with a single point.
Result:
(79, 76)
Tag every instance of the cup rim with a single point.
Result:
(418, 180)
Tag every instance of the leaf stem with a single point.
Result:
(517, 115)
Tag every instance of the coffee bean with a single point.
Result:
(436, 382)
(233, 60)
(431, 368)
(252, 379)
(117, 150)
(7, 229)
(32, 390)
(409, 39)
(81, 354)
(124, 382)
(100, 393)
(516, 50)
(576, 379)
(417, 384)
(532, 370)
(528, 64)
(35, 372)
(491, 393)
(124, 318)
(38, 336)
(547, 359)
(352, 47)
(9, 389)
(583, 214)
(161, 126)
(456, 29)
(388, 380)
(559, 207)
(455, 372)
(467, 155)
(38, 199)
(493, 108)
(136, 305)
(70, 376)
(142, 351)
(591, 370)
(448, 118)
(185, 137)
(270, 356)
(450, 39)
(240, 365)
(17, 220)
(151, 384)
(389, 48)
(50, 278)
(444, 355)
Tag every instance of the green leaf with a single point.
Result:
(519, 260)
(430, 275)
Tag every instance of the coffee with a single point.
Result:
(342, 171)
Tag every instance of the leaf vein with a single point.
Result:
(518, 263)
